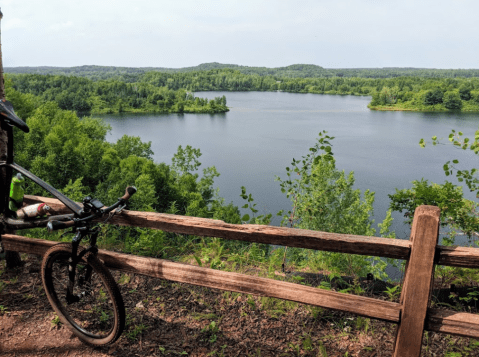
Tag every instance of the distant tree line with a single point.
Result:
(444, 94)
(173, 92)
(132, 74)
(113, 96)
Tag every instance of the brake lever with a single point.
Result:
(120, 208)
(112, 213)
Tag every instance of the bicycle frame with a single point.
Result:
(42, 222)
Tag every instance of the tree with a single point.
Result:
(452, 100)
(463, 214)
(433, 96)
(455, 209)
(465, 91)
(323, 199)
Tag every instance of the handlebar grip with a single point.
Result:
(55, 225)
(130, 191)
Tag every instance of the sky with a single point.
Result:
(265, 33)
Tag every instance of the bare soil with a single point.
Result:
(171, 319)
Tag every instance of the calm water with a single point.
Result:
(264, 131)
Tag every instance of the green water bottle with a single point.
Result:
(16, 193)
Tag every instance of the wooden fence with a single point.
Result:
(412, 314)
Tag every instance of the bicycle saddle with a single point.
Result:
(8, 115)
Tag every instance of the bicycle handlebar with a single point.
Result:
(130, 191)
(55, 225)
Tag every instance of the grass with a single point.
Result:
(200, 317)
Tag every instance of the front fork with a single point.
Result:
(75, 259)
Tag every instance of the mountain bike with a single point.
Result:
(78, 286)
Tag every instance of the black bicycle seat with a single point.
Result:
(8, 115)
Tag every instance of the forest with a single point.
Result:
(167, 92)
(292, 71)
(113, 96)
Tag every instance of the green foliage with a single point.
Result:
(459, 213)
(113, 96)
(211, 331)
(130, 74)
(456, 211)
(186, 160)
(452, 100)
(391, 89)
(261, 219)
(73, 155)
(387, 96)
(323, 199)
(433, 96)
(394, 292)
(134, 331)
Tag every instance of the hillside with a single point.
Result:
(132, 74)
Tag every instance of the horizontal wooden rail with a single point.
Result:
(463, 257)
(191, 274)
(299, 238)
(456, 323)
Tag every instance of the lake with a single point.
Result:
(264, 131)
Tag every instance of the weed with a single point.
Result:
(295, 348)
(55, 321)
(325, 285)
(3, 309)
(14, 280)
(124, 279)
(394, 292)
(316, 311)
(137, 329)
(307, 343)
(2, 286)
(104, 316)
(103, 296)
(322, 350)
(251, 303)
(362, 323)
(222, 352)
(211, 331)
(200, 317)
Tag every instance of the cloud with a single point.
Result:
(14, 24)
(60, 26)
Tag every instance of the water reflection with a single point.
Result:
(264, 131)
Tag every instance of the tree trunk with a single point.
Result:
(6, 154)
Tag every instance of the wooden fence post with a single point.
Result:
(418, 280)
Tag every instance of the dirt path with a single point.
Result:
(170, 319)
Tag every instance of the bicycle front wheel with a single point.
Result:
(98, 317)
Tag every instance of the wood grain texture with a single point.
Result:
(453, 322)
(415, 296)
(191, 274)
(463, 257)
(300, 238)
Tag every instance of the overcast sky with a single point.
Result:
(182, 33)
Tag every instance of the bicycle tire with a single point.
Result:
(98, 318)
